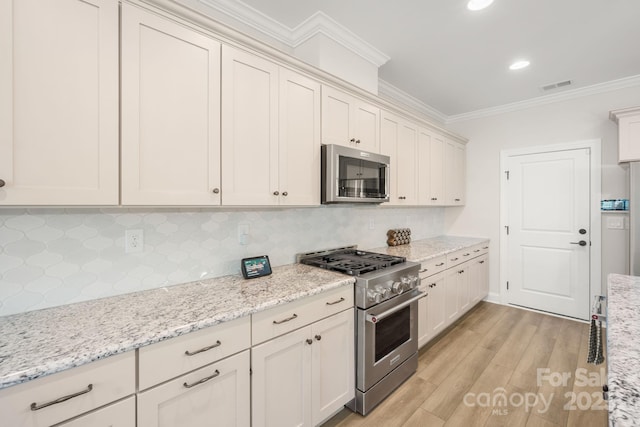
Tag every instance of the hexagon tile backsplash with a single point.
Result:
(50, 257)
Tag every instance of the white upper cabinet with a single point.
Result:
(628, 121)
(270, 133)
(430, 168)
(170, 112)
(349, 121)
(59, 102)
(455, 173)
(249, 129)
(399, 139)
(299, 145)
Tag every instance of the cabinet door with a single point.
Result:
(333, 365)
(430, 168)
(398, 140)
(455, 173)
(170, 112)
(423, 327)
(217, 394)
(299, 147)
(336, 117)
(451, 295)
(436, 316)
(628, 137)
(59, 103)
(281, 381)
(479, 279)
(366, 126)
(249, 129)
(464, 293)
(121, 414)
(406, 173)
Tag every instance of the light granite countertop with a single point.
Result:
(426, 249)
(623, 350)
(43, 342)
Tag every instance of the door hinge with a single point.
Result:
(507, 285)
(507, 228)
(250, 371)
(507, 172)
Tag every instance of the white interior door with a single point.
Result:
(548, 198)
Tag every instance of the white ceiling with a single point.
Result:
(456, 61)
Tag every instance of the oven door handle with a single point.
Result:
(375, 318)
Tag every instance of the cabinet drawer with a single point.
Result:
(480, 249)
(121, 414)
(169, 359)
(433, 266)
(287, 317)
(94, 384)
(455, 258)
(215, 395)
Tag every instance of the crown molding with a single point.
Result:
(548, 99)
(386, 89)
(321, 23)
(253, 18)
(318, 23)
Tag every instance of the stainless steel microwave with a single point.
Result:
(350, 175)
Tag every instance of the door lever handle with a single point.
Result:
(581, 243)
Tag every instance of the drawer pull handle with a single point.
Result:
(202, 350)
(467, 254)
(454, 259)
(35, 406)
(424, 271)
(485, 247)
(204, 380)
(278, 322)
(336, 302)
(440, 265)
(477, 250)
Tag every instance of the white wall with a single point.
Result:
(578, 119)
(51, 257)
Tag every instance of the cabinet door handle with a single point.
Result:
(457, 200)
(318, 337)
(35, 406)
(357, 141)
(2, 183)
(482, 262)
(202, 350)
(215, 190)
(285, 194)
(276, 193)
(335, 302)
(352, 140)
(204, 380)
(279, 322)
(309, 341)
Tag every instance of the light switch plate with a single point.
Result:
(615, 223)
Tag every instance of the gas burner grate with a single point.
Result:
(353, 262)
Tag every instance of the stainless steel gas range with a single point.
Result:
(386, 299)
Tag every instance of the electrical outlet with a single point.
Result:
(243, 234)
(133, 241)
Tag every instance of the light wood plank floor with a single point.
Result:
(536, 363)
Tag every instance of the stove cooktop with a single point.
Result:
(352, 261)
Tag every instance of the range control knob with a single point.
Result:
(386, 293)
(374, 296)
(397, 287)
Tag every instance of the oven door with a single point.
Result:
(387, 336)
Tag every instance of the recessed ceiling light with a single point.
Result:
(518, 65)
(478, 4)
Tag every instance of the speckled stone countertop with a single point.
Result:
(423, 250)
(623, 350)
(43, 342)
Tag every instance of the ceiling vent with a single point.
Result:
(556, 85)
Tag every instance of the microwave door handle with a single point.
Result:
(374, 318)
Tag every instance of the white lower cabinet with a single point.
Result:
(453, 291)
(304, 376)
(120, 414)
(217, 394)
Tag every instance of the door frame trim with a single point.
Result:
(595, 261)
